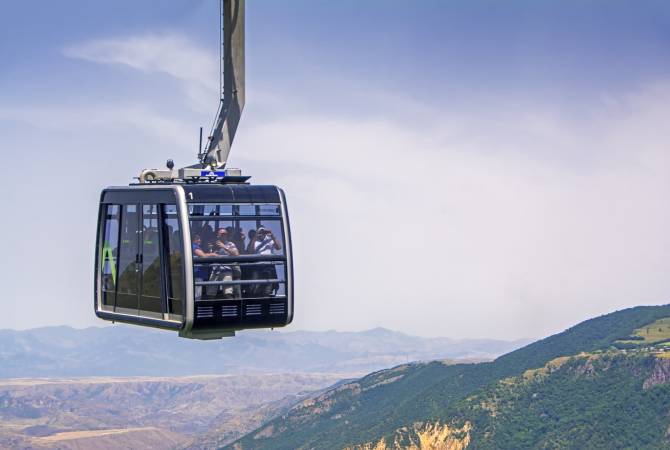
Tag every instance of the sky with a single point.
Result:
(453, 168)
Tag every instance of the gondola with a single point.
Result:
(148, 271)
(199, 250)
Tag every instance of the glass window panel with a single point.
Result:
(238, 235)
(195, 210)
(222, 210)
(264, 271)
(210, 209)
(247, 210)
(109, 254)
(209, 231)
(234, 280)
(127, 292)
(201, 246)
(242, 234)
(264, 237)
(174, 260)
(170, 211)
(150, 300)
(214, 239)
(205, 209)
(268, 210)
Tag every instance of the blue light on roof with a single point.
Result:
(213, 173)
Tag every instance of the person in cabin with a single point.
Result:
(224, 272)
(200, 271)
(266, 244)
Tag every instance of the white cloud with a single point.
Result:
(171, 54)
(523, 228)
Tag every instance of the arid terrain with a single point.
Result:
(125, 387)
(145, 412)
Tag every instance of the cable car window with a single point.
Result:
(109, 256)
(247, 210)
(210, 210)
(240, 237)
(273, 275)
(259, 210)
(225, 209)
(150, 300)
(234, 281)
(266, 238)
(174, 259)
(128, 286)
(267, 210)
(253, 230)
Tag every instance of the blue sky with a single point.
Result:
(529, 137)
(433, 51)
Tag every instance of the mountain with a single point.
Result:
(603, 384)
(132, 351)
(145, 412)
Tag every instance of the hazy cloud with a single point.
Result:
(170, 54)
(440, 225)
(443, 226)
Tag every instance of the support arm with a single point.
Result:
(232, 102)
(230, 108)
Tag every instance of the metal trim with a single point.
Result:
(231, 217)
(239, 282)
(187, 263)
(97, 275)
(238, 301)
(239, 259)
(288, 253)
(142, 320)
(187, 304)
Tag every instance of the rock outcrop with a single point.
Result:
(659, 375)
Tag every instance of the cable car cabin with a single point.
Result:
(202, 259)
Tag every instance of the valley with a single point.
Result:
(145, 412)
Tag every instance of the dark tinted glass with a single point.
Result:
(174, 260)
(212, 209)
(109, 254)
(128, 285)
(150, 300)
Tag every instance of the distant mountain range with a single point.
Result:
(603, 384)
(122, 350)
(161, 413)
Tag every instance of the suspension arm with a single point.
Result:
(232, 101)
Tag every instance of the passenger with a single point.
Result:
(265, 243)
(224, 272)
(200, 271)
(223, 245)
(208, 237)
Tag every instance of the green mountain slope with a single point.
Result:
(589, 401)
(389, 404)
